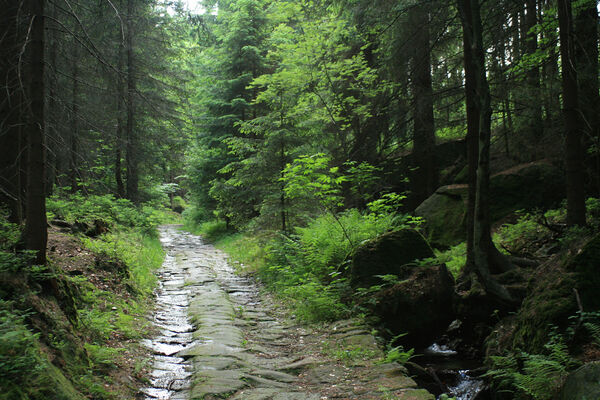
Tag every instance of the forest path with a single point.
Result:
(220, 339)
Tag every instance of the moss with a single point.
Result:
(386, 254)
(445, 215)
(585, 265)
(551, 300)
(544, 183)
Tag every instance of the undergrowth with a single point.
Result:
(305, 269)
(62, 343)
(534, 376)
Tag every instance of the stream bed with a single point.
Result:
(456, 376)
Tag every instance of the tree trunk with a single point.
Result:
(484, 255)
(534, 112)
(586, 53)
(74, 129)
(51, 115)
(132, 144)
(425, 179)
(120, 123)
(573, 144)
(10, 107)
(35, 233)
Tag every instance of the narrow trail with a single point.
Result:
(218, 339)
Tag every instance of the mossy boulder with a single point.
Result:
(385, 255)
(551, 300)
(420, 305)
(538, 184)
(584, 383)
(445, 210)
(445, 215)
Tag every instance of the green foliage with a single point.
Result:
(212, 231)
(141, 254)
(102, 357)
(19, 352)
(314, 301)
(347, 354)
(536, 376)
(398, 355)
(312, 177)
(110, 210)
(9, 232)
(520, 235)
(328, 241)
(455, 258)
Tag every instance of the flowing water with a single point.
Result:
(454, 373)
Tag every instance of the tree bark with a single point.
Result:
(586, 53)
(35, 234)
(10, 107)
(534, 112)
(119, 131)
(131, 134)
(573, 144)
(484, 255)
(425, 178)
(74, 129)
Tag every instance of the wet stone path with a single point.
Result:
(219, 339)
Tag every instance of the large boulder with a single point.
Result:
(551, 300)
(419, 305)
(385, 255)
(445, 215)
(537, 184)
(584, 383)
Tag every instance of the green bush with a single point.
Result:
(329, 239)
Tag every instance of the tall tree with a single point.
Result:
(485, 256)
(35, 233)
(573, 131)
(132, 149)
(586, 54)
(534, 111)
(425, 178)
(10, 109)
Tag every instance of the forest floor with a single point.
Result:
(127, 369)
(237, 342)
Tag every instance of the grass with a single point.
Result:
(86, 330)
(141, 253)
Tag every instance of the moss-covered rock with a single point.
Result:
(445, 211)
(420, 305)
(552, 300)
(386, 255)
(583, 383)
(445, 215)
(538, 184)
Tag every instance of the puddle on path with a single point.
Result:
(170, 376)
